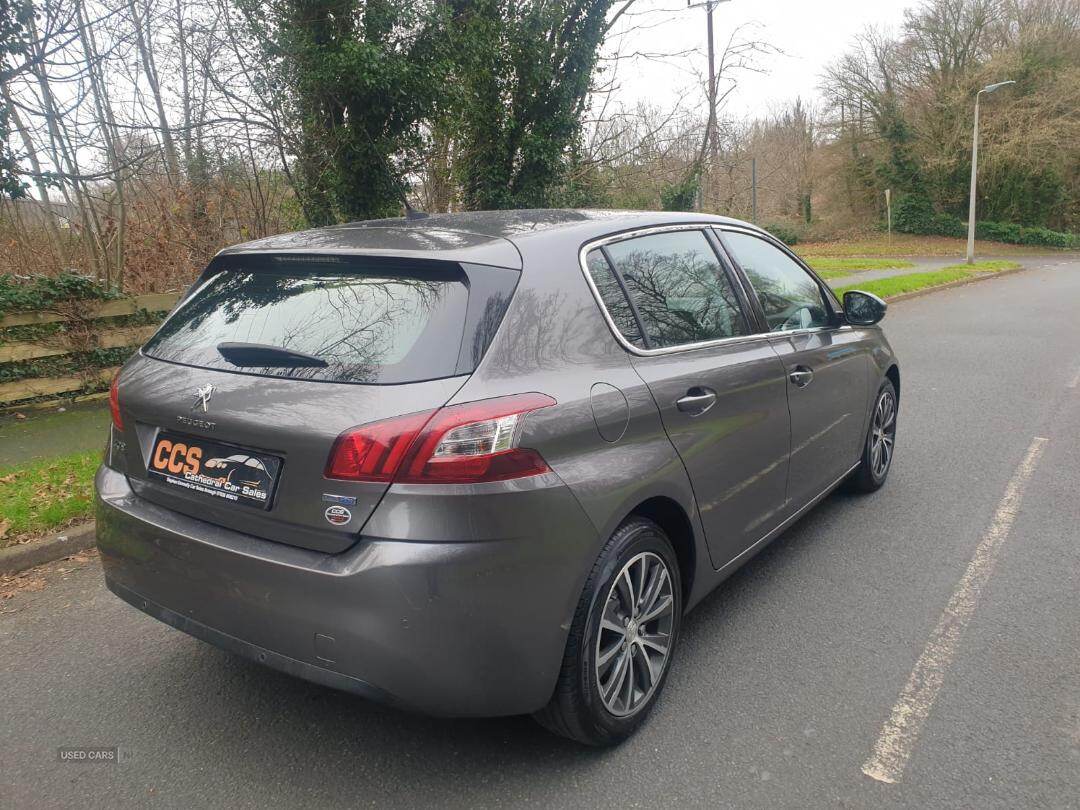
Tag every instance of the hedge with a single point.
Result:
(916, 215)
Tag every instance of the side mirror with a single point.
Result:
(863, 308)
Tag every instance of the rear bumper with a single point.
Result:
(451, 628)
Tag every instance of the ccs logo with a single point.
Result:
(338, 515)
(176, 457)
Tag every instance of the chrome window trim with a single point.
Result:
(682, 347)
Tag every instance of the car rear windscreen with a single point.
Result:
(321, 318)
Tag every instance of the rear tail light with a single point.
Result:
(114, 402)
(373, 452)
(461, 444)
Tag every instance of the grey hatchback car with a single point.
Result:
(482, 464)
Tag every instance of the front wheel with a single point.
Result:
(622, 639)
(880, 442)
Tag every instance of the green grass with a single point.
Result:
(898, 285)
(903, 244)
(992, 266)
(835, 267)
(46, 495)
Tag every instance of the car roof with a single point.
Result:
(480, 237)
(519, 224)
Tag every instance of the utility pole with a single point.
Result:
(753, 189)
(711, 138)
(990, 88)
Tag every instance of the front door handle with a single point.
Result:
(801, 376)
(697, 400)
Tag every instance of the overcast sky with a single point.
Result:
(809, 32)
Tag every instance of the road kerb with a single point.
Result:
(958, 283)
(20, 557)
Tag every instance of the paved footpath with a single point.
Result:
(52, 432)
(928, 634)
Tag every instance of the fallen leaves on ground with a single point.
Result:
(27, 581)
(34, 579)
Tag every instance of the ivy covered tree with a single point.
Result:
(16, 17)
(359, 76)
(522, 73)
(495, 90)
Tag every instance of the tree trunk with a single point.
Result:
(103, 107)
(51, 227)
(147, 58)
(63, 157)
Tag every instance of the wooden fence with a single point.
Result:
(59, 344)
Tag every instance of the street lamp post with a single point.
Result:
(990, 88)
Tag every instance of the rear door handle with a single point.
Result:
(801, 376)
(697, 400)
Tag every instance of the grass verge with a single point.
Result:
(44, 496)
(991, 266)
(836, 267)
(898, 285)
(903, 244)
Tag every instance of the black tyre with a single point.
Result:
(622, 640)
(880, 443)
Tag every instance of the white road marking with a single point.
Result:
(1075, 380)
(901, 731)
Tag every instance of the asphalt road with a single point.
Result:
(785, 677)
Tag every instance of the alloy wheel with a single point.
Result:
(883, 434)
(633, 645)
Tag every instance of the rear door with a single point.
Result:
(827, 364)
(720, 390)
(231, 410)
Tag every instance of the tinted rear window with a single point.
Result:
(679, 288)
(614, 298)
(367, 323)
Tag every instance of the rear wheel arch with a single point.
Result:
(672, 518)
(580, 706)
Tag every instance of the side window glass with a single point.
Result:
(613, 297)
(788, 294)
(679, 288)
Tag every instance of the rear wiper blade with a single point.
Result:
(262, 355)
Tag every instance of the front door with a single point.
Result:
(827, 398)
(827, 366)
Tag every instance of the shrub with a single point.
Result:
(1019, 235)
(41, 292)
(913, 213)
(680, 196)
(785, 233)
(999, 232)
(1046, 237)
